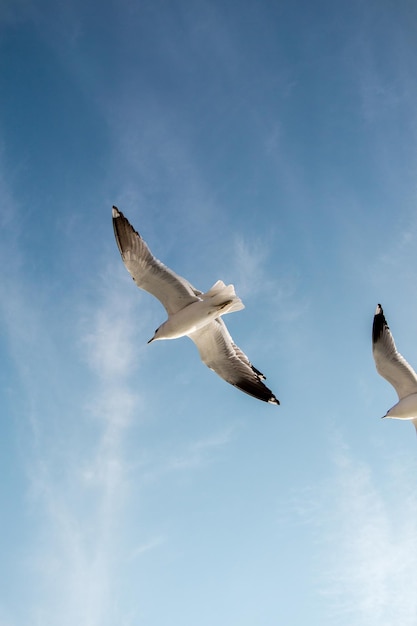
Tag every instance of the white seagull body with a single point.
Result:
(392, 366)
(190, 312)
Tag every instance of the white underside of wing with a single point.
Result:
(173, 291)
(398, 372)
(219, 352)
(389, 362)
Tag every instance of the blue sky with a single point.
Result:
(267, 144)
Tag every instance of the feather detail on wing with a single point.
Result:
(173, 291)
(389, 362)
(219, 352)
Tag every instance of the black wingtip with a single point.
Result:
(379, 324)
(123, 230)
(257, 390)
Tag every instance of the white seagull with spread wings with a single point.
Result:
(191, 312)
(393, 366)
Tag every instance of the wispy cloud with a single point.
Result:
(254, 277)
(249, 259)
(152, 544)
(73, 436)
(367, 529)
(187, 456)
(199, 453)
(84, 499)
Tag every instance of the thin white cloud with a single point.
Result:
(249, 266)
(152, 544)
(76, 490)
(86, 526)
(188, 456)
(254, 277)
(199, 453)
(367, 532)
(82, 499)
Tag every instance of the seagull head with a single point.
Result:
(405, 409)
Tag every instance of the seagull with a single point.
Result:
(393, 366)
(191, 313)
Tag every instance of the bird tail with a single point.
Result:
(224, 296)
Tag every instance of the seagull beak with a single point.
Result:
(150, 340)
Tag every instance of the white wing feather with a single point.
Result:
(219, 352)
(148, 273)
(389, 362)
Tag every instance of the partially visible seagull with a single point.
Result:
(392, 366)
(191, 312)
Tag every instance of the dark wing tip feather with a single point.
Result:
(257, 372)
(379, 325)
(257, 389)
(123, 230)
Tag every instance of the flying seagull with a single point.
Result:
(393, 366)
(191, 312)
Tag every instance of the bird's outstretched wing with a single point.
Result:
(219, 352)
(148, 273)
(389, 362)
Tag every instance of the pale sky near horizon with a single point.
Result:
(272, 145)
